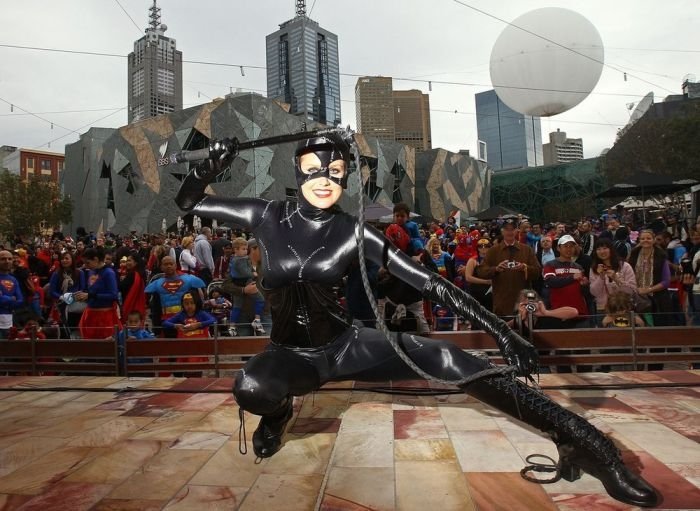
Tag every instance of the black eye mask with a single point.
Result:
(326, 156)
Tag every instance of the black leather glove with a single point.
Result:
(221, 154)
(516, 351)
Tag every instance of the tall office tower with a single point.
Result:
(412, 119)
(561, 149)
(303, 70)
(513, 140)
(374, 107)
(155, 72)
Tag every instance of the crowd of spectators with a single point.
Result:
(596, 272)
(579, 266)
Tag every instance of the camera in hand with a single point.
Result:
(511, 264)
(531, 305)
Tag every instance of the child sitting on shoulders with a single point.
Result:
(242, 273)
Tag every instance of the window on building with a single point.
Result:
(163, 108)
(30, 163)
(137, 82)
(60, 165)
(139, 112)
(45, 164)
(482, 150)
(166, 81)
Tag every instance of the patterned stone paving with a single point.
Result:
(169, 443)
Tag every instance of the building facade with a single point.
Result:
(115, 174)
(513, 140)
(564, 191)
(33, 163)
(561, 149)
(155, 72)
(303, 69)
(374, 107)
(412, 119)
(5, 150)
(388, 114)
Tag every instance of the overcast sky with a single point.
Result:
(436, 40)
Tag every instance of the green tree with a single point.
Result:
(26, 206)
(666, 141)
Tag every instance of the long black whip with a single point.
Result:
(381, 326)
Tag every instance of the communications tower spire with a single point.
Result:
(301, 8)
(154, 16)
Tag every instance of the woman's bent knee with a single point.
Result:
(258, 396)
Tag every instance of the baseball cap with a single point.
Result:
(509, 222)
(567, 238)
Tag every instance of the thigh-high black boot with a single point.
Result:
(581, 445)
(267, 438)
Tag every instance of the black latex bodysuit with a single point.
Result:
(305, 251)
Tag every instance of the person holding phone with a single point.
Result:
(609, 275)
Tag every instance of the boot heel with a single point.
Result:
(569, 471)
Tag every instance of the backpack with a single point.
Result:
(622, 248)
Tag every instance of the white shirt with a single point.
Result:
(188, 262)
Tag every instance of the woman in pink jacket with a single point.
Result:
(609, 274)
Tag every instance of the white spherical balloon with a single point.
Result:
(534, 75)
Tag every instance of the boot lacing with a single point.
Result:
(577, 428)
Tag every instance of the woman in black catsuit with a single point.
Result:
(306, 249)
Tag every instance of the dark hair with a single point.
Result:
(195, 296)
(622, 234)
(614, 258)
(135, 312)
(401, 207)
(139, 263)
(94, 252)
(74, 272)
(22, 317)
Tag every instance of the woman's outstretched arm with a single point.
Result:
(192, 196)
(515, 350)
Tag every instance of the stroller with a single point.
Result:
(218, 306)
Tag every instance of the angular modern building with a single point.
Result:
(155, 72)
(120, 187)
(561, 149)
(513, 140)
(303, 69)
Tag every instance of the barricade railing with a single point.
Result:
(624, 348)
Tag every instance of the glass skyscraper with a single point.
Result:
(303, 71)
(513, 140)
